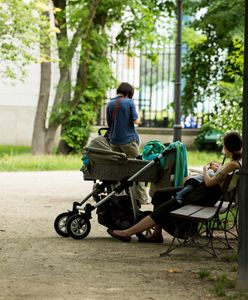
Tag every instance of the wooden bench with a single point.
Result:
(214, 222)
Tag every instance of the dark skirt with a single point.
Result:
(163, 204)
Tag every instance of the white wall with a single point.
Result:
(16, 125)
(18, 101)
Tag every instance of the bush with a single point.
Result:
(208, 138)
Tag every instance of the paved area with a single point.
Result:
(36, 263)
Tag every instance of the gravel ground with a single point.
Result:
(36, 263)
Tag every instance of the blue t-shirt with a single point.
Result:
(122, 130)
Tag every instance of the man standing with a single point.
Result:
(122, 117)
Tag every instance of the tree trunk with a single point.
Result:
(39, 132)
(50, 137)
(54, 124)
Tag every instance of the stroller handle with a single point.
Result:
(103, 129)
(152, 162)
(164, 153)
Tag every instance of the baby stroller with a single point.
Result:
(113, 174)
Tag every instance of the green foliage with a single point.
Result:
(77, 127)
(206, 63)
(228, 116)
(193, 38)
(78, 118)
(235, 59)
(143, 21)
(208, 138)
(203, 67)
(229, 113)
(20, 25)
(223, 17)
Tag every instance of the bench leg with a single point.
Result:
(176, 237)
(171, 248)
(228, 226)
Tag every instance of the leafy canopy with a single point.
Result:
(21, 23)
(213, 66)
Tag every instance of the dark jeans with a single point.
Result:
(184, 192)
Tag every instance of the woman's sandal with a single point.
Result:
(151, 239)
(126, 239)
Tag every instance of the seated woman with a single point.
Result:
(207, 193)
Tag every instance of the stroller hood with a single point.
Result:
(99, 152)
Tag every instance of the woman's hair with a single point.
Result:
(126, 90)
(233, 143)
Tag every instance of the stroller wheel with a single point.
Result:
(78, 226)
(60, 224)
(141, 216)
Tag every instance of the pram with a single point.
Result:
(113, 174)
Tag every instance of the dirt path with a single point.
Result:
(35, 263)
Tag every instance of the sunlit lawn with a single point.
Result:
(18, 158)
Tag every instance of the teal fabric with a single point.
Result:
(153, 148)
(181, 164)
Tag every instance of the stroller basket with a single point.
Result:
(119, 171)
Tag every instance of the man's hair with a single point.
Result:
(126, 90)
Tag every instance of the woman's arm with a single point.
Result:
(220, 176)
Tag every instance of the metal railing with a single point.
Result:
(153, 83)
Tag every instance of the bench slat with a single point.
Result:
(205, 213)
(199, 212)
(225, 205)
(186, 210)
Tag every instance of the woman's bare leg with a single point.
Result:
(142, 225)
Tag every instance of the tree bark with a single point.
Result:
(39, 132)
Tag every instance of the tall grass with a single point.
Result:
(19, 158)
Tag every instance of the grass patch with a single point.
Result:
(19, 158)
(13, 150)
(201, 158)
(204, 273)
(28, 162)
(221, 284)
(231, 257)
